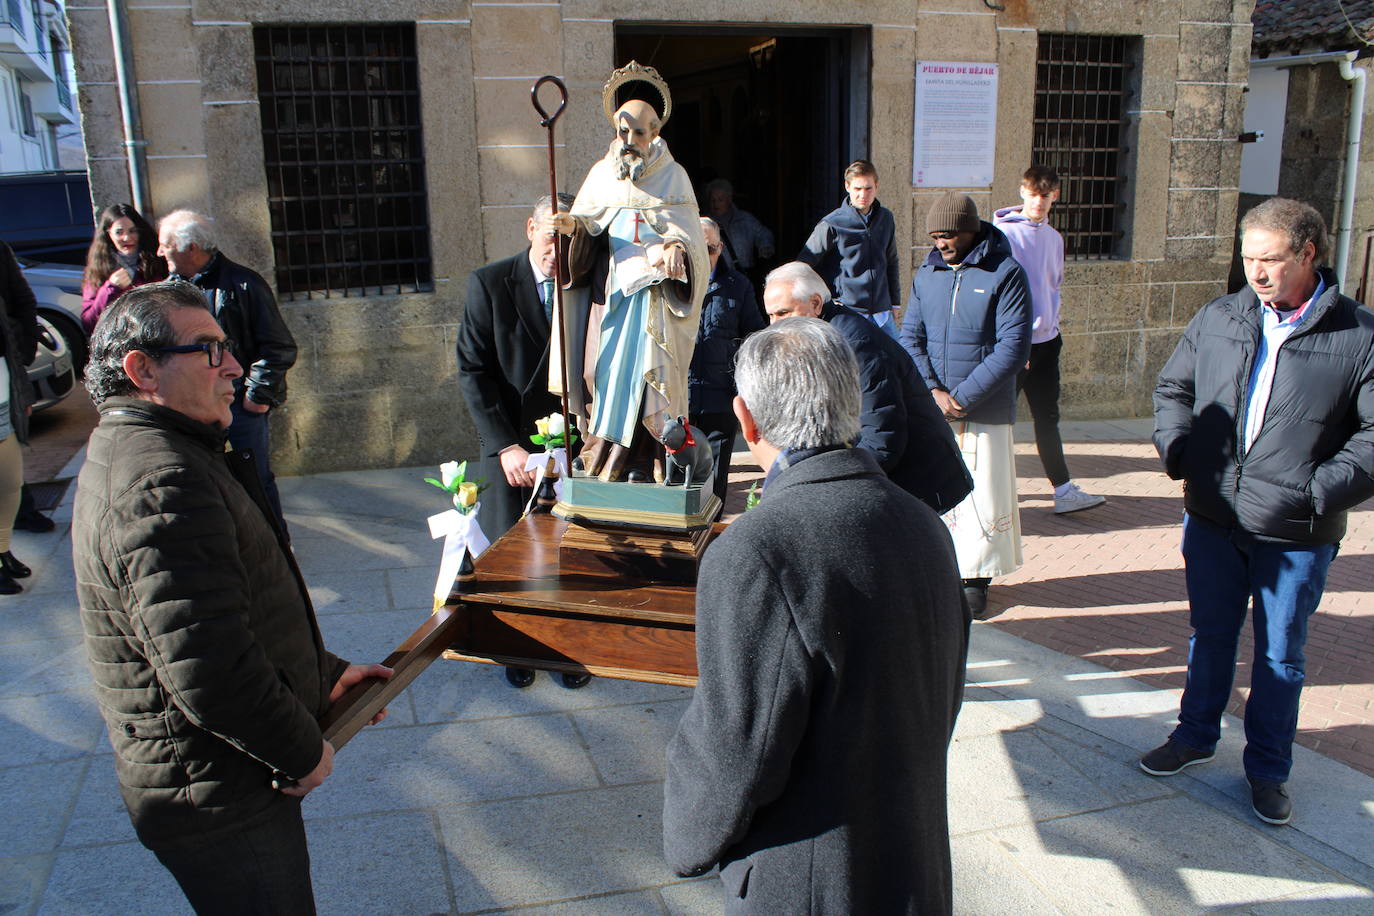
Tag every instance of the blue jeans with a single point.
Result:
(249, 430)
(1225, 570)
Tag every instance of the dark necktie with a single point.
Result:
(546, 293)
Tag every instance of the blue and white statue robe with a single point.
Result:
(639, 343)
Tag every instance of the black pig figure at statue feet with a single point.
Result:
(686, 451)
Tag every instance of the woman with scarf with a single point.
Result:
(123, 255)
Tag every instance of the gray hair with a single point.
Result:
(719, 184)
(800, 380)
(187, 228)
(545, 205)
(708, 223)
(1300, 223)
(804, 281)
(138, 320)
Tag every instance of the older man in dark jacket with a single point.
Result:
(1266, 412)
(968, 327)
(831, 642)
(898, 420)
(244, 306)
(208, 662)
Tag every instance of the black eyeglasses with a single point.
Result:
(214, 350)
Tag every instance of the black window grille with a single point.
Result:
(1081, 87)
(345, 158)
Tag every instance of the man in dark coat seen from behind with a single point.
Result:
(810, 764)
(207, 659)
(898, 420)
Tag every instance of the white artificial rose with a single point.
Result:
(556, 424)
(448, 474)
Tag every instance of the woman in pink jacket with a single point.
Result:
(123, 255)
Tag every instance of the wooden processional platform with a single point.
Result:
(527, 607)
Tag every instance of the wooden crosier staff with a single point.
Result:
(547, 123)
(368, 697)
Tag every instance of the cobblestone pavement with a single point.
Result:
(1106, 585)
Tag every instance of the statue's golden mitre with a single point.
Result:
(634, 72)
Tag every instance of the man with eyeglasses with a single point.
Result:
(729, 314)
(244, 306)
(208, 663)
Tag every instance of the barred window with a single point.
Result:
(345, 158)
(1081, 87)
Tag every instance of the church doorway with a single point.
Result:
(778, 112)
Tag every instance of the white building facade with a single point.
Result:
(36, 100)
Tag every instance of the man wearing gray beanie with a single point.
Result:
(968, 327)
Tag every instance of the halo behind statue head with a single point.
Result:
(634, 72)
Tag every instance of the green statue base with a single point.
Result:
(638, 505)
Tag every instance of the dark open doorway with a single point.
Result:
(779, 113)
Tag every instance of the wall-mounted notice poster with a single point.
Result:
(956, 124)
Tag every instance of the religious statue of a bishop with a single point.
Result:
(637, 242)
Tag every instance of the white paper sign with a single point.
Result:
(956, 124)
(460, 532)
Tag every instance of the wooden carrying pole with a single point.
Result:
(547, 122)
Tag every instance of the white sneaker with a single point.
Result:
(1075, 500)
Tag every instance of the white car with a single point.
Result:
(51, 373)
(57, 287)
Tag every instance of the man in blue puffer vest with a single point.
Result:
(854, 249)
(968, 327)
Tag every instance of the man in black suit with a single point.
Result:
(503, 365)
(831, 641)
(503, 371)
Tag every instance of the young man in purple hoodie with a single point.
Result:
(1039, 249)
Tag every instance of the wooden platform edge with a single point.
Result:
(623, 674)
(370, 696)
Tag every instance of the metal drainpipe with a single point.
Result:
(128, 97)
(1354, 129)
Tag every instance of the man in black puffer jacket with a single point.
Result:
(1266, 412)
(208, 663)
(244, 306)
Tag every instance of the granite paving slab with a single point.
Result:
(529, 851)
